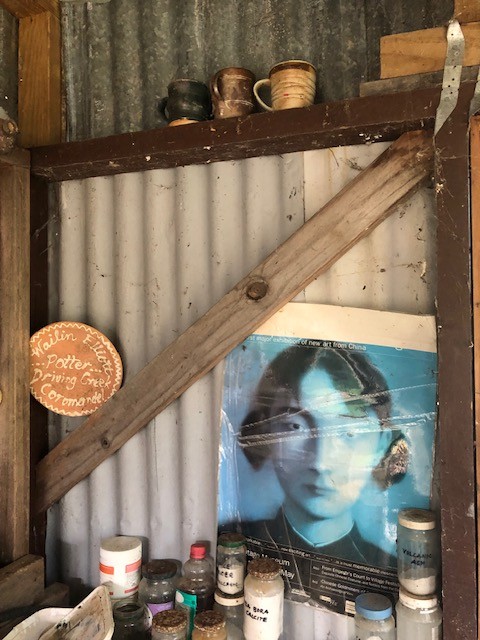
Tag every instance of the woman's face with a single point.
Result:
(328, 443)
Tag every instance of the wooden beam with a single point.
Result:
(21, 582)
(412, 83)
(347, 218)
(39, 90)
(467, 10)
(14, 361)
(405, 54)
(475, 216)
(456, 443)
(27, 8)
(353, 121)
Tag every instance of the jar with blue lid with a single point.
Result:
(373, 617)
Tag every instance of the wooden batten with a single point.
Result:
(405, 54)
(21, 582)
(14, 358)
(350, 216)
(26, 8)
(467, 10)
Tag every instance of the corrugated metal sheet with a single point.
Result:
(142, 256)
(8, 63)
(119, 57)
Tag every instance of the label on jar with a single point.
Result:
(263, 617)
(156, 607)
(187, 602)
(230, 579)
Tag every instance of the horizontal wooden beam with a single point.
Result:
(347, 218)
(405, 54)
(27, 8)
(334, 124)
(467, 10)
(21, 582)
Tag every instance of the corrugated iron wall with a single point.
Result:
(8, 63)
(141, 257)
(120, 56)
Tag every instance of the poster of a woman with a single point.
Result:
(324, 438)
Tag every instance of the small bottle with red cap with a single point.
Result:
(195, 590)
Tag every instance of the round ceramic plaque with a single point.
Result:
(74, 368)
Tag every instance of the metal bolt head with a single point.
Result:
(257, 289)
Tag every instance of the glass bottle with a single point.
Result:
(209, 625)
(418, 551)
(169, 625)
(195, 590)
(231, 563)
(158, 584)
(131, 621)
(264, 593)
(418, 617)
(373, 617)
(231, 607)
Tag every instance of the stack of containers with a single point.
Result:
(231, 569)
(419, 616)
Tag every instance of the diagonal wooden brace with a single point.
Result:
(329, 234)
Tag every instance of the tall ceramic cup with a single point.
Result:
(232, 92)
(292, 84)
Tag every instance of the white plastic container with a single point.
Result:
(418, 617)
(120, 566)
(34, 626)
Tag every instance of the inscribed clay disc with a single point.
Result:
(74, 368)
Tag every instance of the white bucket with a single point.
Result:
(121, 565)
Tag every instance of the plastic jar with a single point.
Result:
(231, 563)
(209, 625)
(158, 584)
(169, 625)
(418, 551)
(120, 563)
(263, 588)
(231, 607)
(418, 617)
(373, 617)
(131, 621)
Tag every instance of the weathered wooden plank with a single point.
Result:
(354, 121)
(14, 362)
(405, 54)
(21, 582)
(456, 443)
(26, 8)
(467, 10)
(39, 89)
(475, 217)
(348, 217)
(412, 83)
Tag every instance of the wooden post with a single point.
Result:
(14, 356)
(39, 70)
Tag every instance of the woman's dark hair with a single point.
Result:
(352, 373)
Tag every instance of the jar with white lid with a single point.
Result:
(418, 617)
(418, 551)
(231, 562)
(231, 607)
(373, 617)
(264, 594)
(209, 625)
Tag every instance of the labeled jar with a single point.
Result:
(131, 621)
(231, 607)
(264, 593)
(209, 625)
(169, 625)
(418, 551)
(373, 617)
(231, 563)
(120, 564)
(418, 617)
(158, 584)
